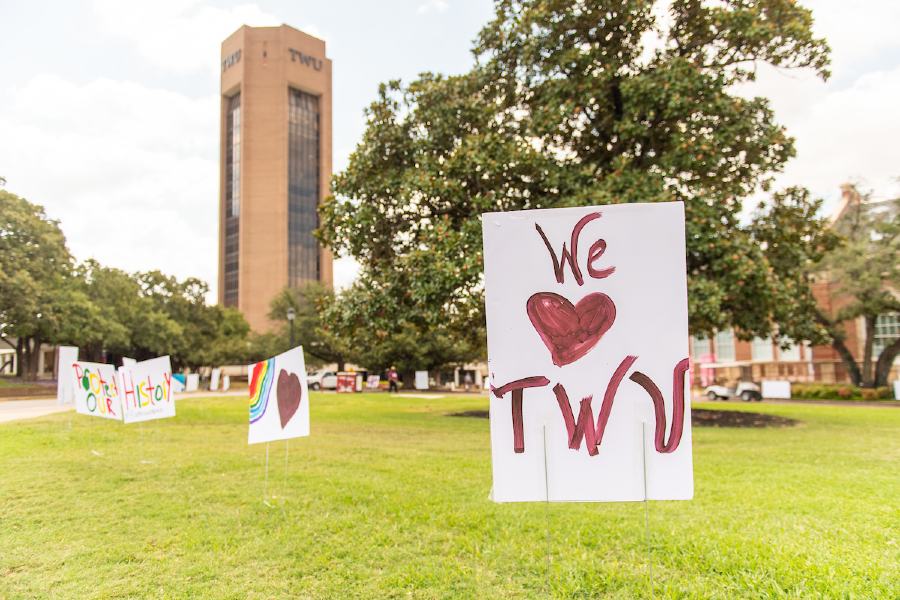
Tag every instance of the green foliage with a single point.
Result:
(794, 239)
(196, 333)
(867, 268)
(319, 341)
(569, 104)
(36, 296)
(106, 312)
(389, 499)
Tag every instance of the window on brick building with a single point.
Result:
(761, 349)
(699, 346)
(725, 345)
(887, 329)
(792, 353)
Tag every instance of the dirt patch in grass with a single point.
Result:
(700, 417)
(477, 414)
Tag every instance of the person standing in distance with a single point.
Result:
(393, 378)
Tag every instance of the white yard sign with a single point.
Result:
(96, 389)
(279, 400)
(214, 378)
(421, 380)
(65, 390)
(147, 390)
(588, 353)
(776, 389)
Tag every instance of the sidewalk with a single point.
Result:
(13, 410)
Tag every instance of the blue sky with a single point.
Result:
(109, 110)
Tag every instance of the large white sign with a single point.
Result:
(421, 380)
(776, 389)
(147, 390)
(96, 389)
(279, 400)
(588, 353)
(214, 378)
(65, 390)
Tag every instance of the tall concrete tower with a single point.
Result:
(275, 166)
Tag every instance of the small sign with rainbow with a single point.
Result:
(279, 401)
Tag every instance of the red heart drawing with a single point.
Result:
(570, 331)
(289, 392)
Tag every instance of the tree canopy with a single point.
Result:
(867, 271)
(108, 313)
(310, 304)
(575, 103)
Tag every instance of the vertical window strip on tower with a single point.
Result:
(303, 187)
(232, 198)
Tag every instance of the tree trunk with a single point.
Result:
(35, 357)
(20, 358)
(838, 344)
(31, 351)
(885, 362)
(867, 376)
(409, 379)
(341, 364)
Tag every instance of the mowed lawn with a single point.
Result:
(389, 498)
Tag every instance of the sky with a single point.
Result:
(109, 110)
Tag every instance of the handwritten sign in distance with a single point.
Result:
(279, 399)
(588, 353)
(96, 389)
(147, 390)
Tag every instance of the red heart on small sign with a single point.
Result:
(289, 392)
(568, 331)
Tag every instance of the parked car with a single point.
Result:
(745, 390)
(322, 380)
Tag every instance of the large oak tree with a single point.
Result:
(575, 103)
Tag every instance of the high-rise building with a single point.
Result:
(275, 166)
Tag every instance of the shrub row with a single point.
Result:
(825, 391)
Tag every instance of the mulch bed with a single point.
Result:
(700, 417)
(478, 414)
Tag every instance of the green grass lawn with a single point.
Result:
(389, 498)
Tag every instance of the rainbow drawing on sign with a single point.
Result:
(260, 386)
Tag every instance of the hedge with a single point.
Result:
(825, 391)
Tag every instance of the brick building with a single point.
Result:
(724, 358)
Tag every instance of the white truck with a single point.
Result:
(322, 380)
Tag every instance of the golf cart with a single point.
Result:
(745, 390)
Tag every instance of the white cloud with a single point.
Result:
(845, 128)
(130, 171)
(437, 6)
(847, 134)
(178, 35)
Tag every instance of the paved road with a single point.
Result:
(13, 410)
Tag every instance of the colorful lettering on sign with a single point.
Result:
(99, 393)
(147, 392)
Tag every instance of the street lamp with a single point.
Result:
(290, 317)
